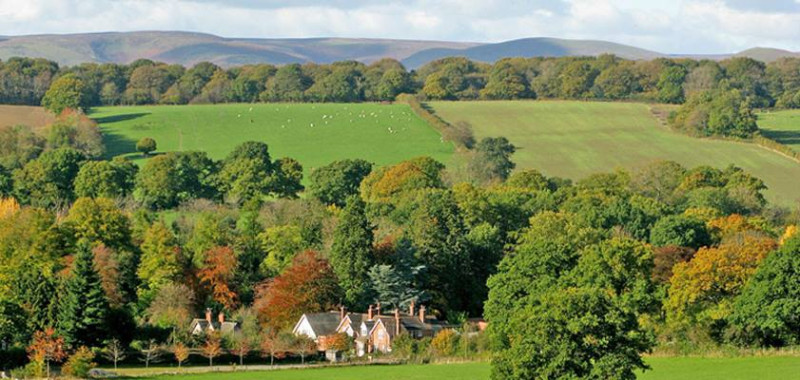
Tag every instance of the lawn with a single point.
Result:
(314, 134)
(781, 126)
(680, 368)
(574, 139)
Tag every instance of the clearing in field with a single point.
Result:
(314, 134)
(781, 126)
(675, 368)
(35, 117)
(574, 139)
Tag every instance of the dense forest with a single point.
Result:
(719, 95)
(103, 254)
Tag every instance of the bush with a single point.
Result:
(80, 363)
(146, 145)
(445, 343)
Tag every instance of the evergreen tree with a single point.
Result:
(351, 254)
(84, 308)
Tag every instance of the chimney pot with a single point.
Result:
(369, 313)
(411, 308)
(378, 310)
(221, 318)
(341, 312)
(396, 322)
(208, 315)
(422, 313)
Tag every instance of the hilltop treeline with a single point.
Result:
(25, 81)
(690, 256)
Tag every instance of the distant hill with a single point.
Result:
(188, 48)
(533, 47)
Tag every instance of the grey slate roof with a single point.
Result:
(323, 323)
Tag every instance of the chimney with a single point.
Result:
(411, 308)
(422, 313)
(396, 322)
(369, 313)
(208, 315)
(341, 312)
(221, 318)
(378, 310)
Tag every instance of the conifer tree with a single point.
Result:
(83, 308)
(351, 253)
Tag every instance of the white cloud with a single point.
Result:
(689, 26)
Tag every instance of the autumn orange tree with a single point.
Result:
(308, 285)
(212, 347)
(702, 290)
(47, 347)
(181, 353)
(217, 274)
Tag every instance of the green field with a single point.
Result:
(781, 126)
(574, 139)
(314, 134)
(681, 368)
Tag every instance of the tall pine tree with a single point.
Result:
(83, 310)
(351, 254)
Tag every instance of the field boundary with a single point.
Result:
(759, 140)
(460, 136)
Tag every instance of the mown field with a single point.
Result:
(314, 134)
(680, 368)
(781, 126)
(574, 139)
(31, 116)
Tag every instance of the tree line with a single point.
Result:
(610, 266)
(25, 80)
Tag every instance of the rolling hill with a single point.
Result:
(188, 48)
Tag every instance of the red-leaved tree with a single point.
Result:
(308, 285)
(217, 274)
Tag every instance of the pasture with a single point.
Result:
(781, 126)
(663, 368)
(573, 139)
(35, 117)
(314, 134)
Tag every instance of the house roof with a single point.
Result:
(408, 323)
(225, 327)
(323, 323)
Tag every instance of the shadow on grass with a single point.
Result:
(783, 137)
(117, 118)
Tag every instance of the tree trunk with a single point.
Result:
(241, 358)
(210, 361)
(271, 359)
(302, 358)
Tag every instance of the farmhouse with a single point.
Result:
(371, 331)
(206, 325)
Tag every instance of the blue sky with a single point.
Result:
(678, 26)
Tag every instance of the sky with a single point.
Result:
(667, 26)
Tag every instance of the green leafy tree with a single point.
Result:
(573, 333)
(66, 92)
(670, 84)
(146, 145)
(48, 180)
(679, 230)
(172, 178)
(161, 261)
(108, 179)
(335, 182)
(83, 307)
(249, 173)
(351, 253)
(492, 160)
(767, 310)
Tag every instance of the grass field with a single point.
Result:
(781, 126)
(26, 115)
(314, 134)
(680, 368)
(574, 139)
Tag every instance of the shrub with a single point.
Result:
(146, 145)
(80, 363)
(445, 343)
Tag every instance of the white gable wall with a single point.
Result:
(304, 328)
